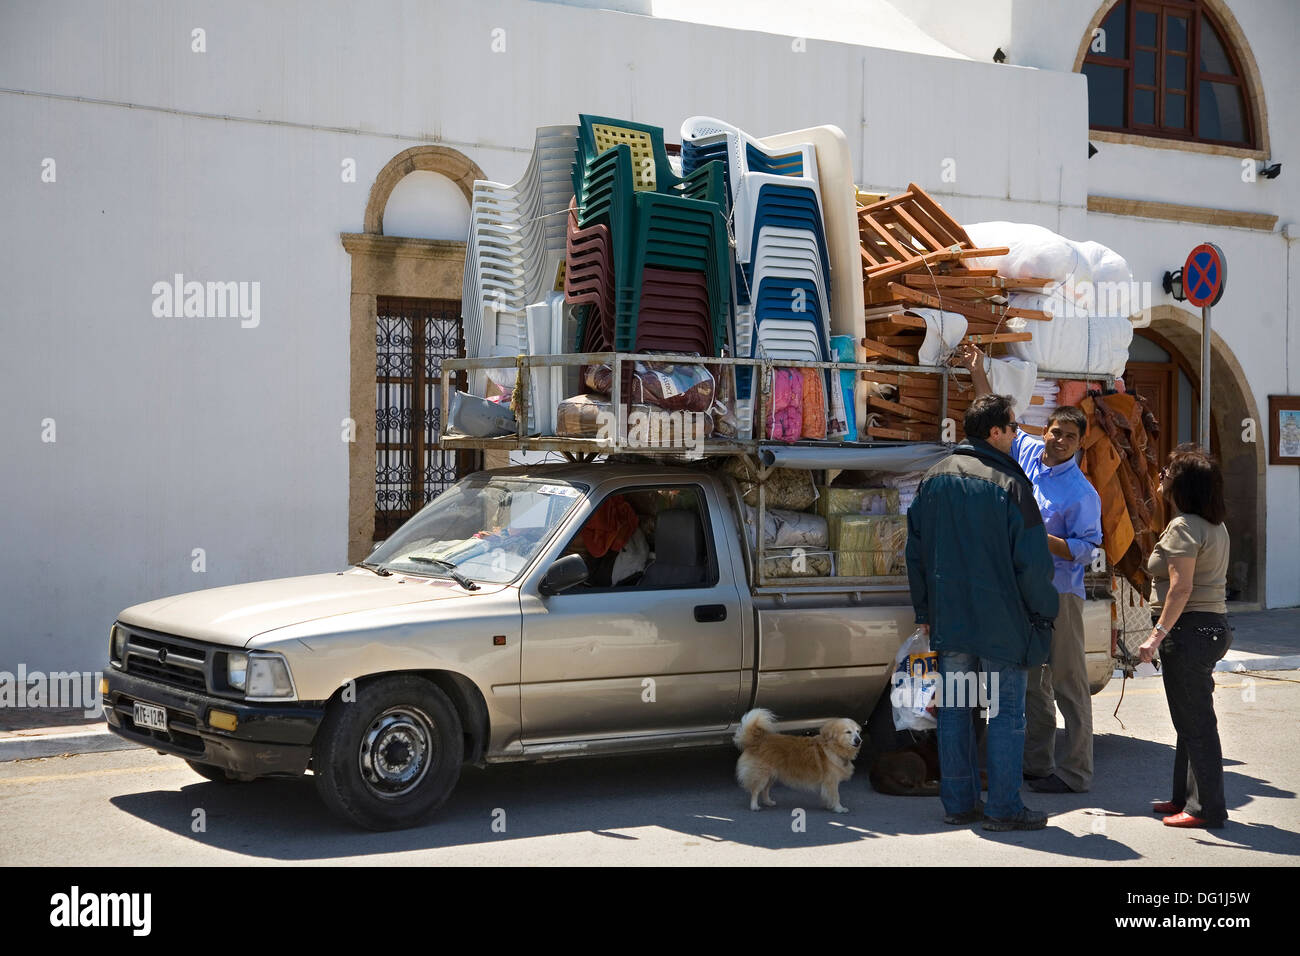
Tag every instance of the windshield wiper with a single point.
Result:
(382, 572)
(450, 568)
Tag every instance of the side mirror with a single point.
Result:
(564, 574)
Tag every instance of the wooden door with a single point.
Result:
(1157, 382)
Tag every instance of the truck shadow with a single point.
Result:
(692, 794)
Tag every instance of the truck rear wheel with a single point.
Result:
(389, 759)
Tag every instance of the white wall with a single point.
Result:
(175, 433)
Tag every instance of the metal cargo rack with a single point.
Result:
(618, 443)
(764, 456)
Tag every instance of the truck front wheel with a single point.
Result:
(389, 759)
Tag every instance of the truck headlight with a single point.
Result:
(116, 646)
(236, 669)
(267, 677)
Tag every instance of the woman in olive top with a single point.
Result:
(1190, 568)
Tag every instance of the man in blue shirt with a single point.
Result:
(1071, 511)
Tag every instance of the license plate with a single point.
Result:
(147, 715)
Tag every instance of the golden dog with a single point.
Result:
(819, 764)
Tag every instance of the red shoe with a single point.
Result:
(1166, 807)
(1186, 821)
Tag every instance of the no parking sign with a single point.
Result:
(1205, 273)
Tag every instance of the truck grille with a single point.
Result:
(168, 660)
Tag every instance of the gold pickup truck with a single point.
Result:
(498, 625)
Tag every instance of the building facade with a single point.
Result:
(234, 238)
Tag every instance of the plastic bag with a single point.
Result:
(677, 388)
(915, 683)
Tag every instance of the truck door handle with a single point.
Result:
(710, 613)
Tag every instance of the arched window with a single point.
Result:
(1164, 68)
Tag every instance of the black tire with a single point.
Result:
(215, 774)
(391, 758)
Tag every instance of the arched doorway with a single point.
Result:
(405, 309)
(1164, 368)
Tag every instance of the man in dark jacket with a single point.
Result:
(981, 579)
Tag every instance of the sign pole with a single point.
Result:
(1205, 273)
(1205, 378)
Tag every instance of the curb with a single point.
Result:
(1288, 663)
(1232, 665)
(55, 745)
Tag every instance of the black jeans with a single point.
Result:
(1188, 655)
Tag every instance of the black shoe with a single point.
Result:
(1052, 784)
(972, 815)
(1024, 820)
(1033, 776)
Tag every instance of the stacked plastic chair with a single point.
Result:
(782, 262)
(516, 244)
(663, 235)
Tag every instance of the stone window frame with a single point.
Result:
(397, 266)
(1252, 82)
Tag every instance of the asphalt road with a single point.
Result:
(137, 808)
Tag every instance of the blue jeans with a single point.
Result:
(959, 784)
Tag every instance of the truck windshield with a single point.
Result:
(489, 528)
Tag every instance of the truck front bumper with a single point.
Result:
(269, 739)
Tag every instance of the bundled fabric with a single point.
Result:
(869, 545)
(676, 388)
(857, 501)
(905, 483)
(790, 488)
(797, 563)
(814, 403)
(788, 529)
(590, 416)
(783, 404)
(1037, 415)
(1120, 459)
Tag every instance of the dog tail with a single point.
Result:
(753, 726)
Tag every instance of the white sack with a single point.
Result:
(1105, 263)
(1014, 377)
(1060, 344)
(788, 529)
(1109, 338)
(1036, 252)
(943, 331)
